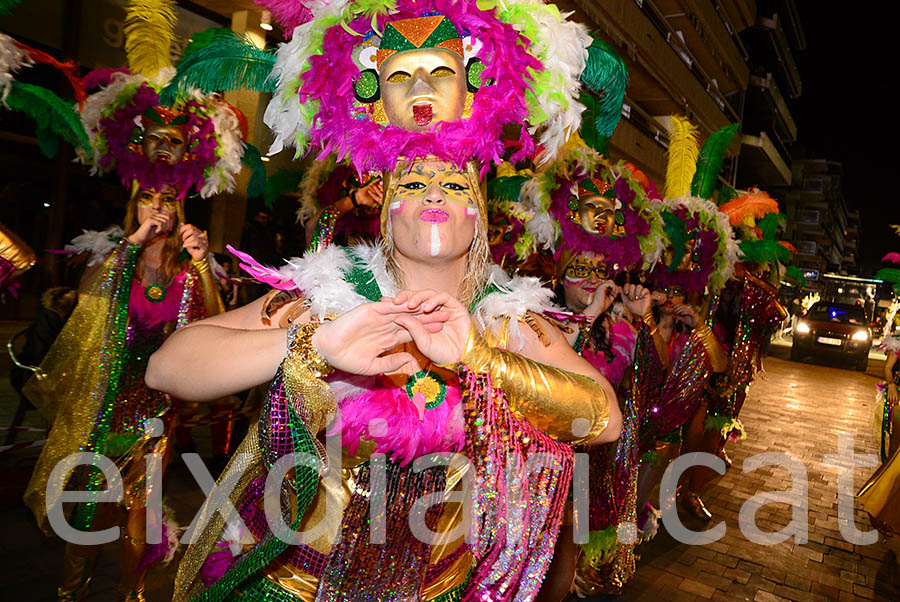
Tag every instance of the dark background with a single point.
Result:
(846, 111)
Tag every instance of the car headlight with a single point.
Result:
(861, 335)
(802, 328)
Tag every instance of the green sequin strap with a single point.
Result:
(113, 356)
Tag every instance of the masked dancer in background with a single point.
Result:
(141, 283)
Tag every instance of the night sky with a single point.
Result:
(846, 113)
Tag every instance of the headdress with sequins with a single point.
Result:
(701, 249)
(128, 102)
(623, 224)
(521, 63)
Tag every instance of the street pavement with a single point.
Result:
(797, 409)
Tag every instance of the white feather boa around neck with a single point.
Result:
(319, 276)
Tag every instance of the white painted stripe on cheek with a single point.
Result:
(471, 212)
(435, 240)
(395, 207)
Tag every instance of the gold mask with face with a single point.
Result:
(597, 214)
(163, 143)
(422, 87)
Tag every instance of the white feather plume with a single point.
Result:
(891, 343)
(562, 49)
(98, 243)
(220, 176)
(517, 296)
(290, 121)
(12, 58)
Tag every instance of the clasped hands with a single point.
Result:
(361, 340)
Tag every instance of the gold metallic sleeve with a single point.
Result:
(880, 496)
(14, 250)
(549, 398)
(212, 300)
(717, 357)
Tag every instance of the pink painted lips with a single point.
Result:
(423, 114)
(434, 216)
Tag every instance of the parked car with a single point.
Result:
(833, 330)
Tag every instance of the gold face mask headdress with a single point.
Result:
(443, 78)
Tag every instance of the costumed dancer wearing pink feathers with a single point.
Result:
(420, 345)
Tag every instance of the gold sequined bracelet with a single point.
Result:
(302, 349)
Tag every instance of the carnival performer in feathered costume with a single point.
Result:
(420, 343)
(141, 282)
(745, 315)
(598, 222)
(699, 257)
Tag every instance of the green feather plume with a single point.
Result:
(280, 183)
(709, 163)
(7, 7)
(601, 546)
(506, 188)
(253, 161)
(726, 194)
(51, 114)
(888, 275)
(678, 236)
(769, 224)
(222, 60)
(606, 75)
(796, 273)
(592, 105)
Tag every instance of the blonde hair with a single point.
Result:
(478, 258)
(174, 244)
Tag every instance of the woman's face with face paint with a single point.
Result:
(433, 212)
(581, 278)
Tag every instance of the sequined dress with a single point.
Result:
(95, 393)
(230, 563)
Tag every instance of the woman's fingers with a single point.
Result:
(393, 362)
(419, 333)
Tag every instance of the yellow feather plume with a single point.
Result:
(149, 28)
(683, 152)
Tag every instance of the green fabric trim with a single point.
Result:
(113, 347)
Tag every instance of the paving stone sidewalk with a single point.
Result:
(798, 409)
